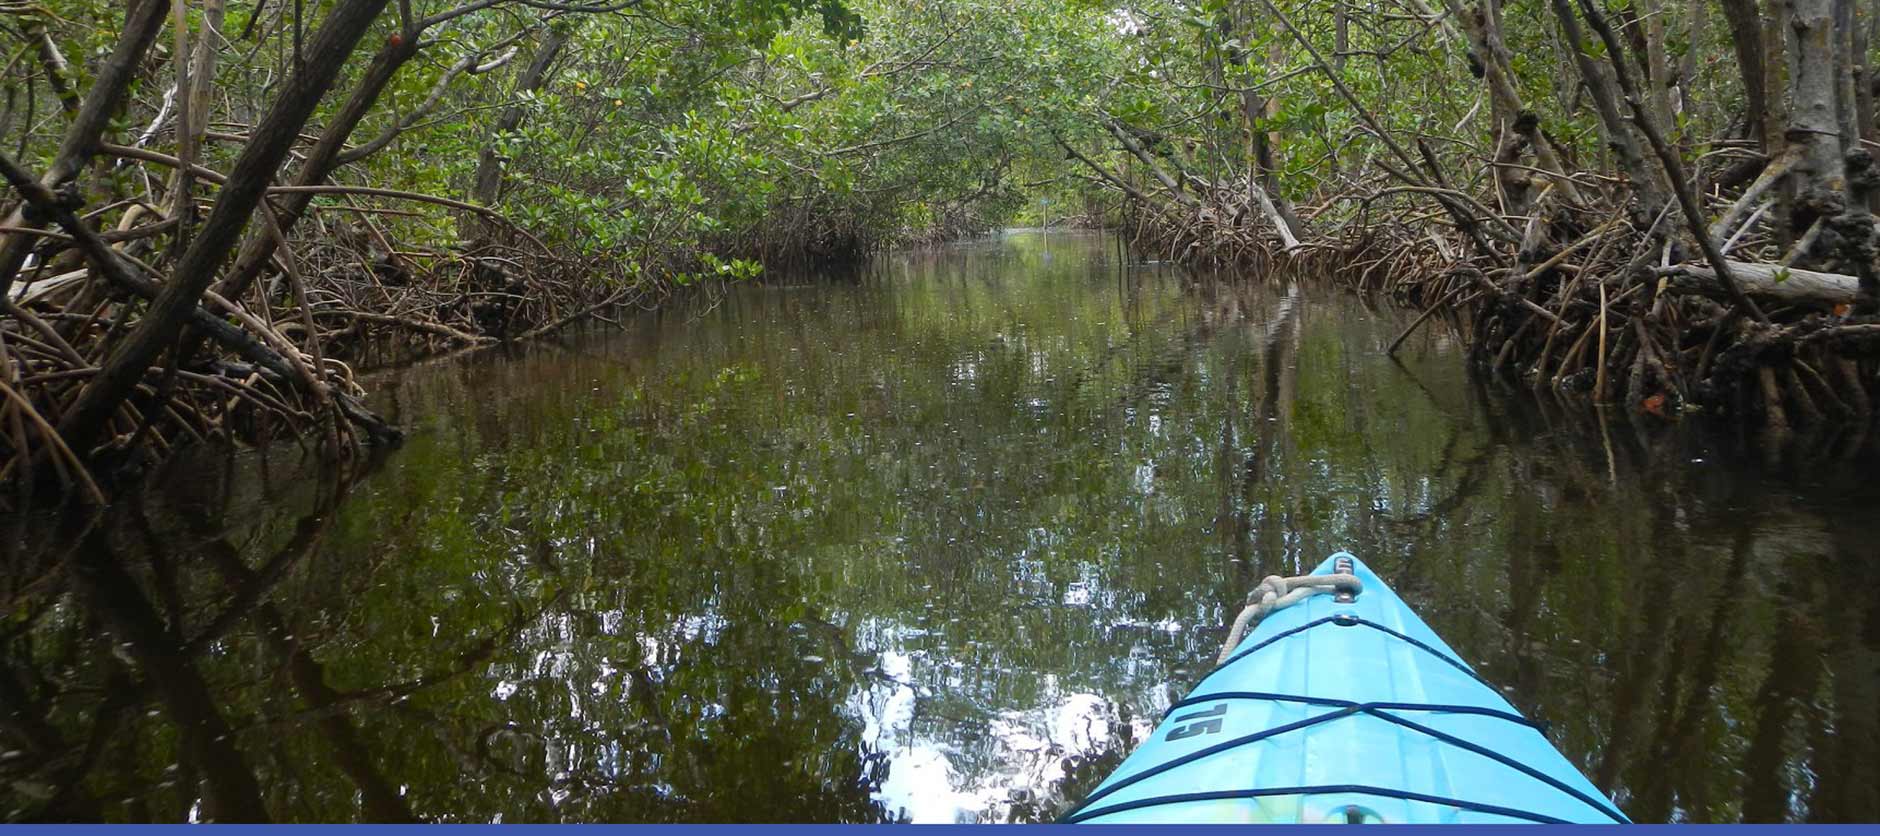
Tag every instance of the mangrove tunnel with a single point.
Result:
(876, 410)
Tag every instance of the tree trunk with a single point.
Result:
(1135, 149)
(1687, 66)
(256, 254)
(1606, 98)
(108, 88)
(1261, 151)
(1847, 105)
(1776, 64)
(1255, 109)
(1483, 25)
(254, 170)
(58, 70)
(1814, 124)
(1341, 33)
(1746, 36)
(1658, 68)
(195, 80)
(1864, 28)
(488, 185)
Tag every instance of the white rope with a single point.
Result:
(1275, 593)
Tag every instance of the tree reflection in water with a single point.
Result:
(940, 542)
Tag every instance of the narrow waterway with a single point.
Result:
(935, 542)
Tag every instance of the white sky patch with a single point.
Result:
(925, 780)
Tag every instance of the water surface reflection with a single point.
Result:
(934, 544)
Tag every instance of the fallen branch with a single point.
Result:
(1774, 281)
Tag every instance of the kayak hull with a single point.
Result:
(1345, 711)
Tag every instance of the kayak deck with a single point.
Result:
(1345, 712)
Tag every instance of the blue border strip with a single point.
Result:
(805, 829)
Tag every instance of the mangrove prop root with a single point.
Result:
(1594, 317)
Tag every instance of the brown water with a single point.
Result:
(933, 543)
